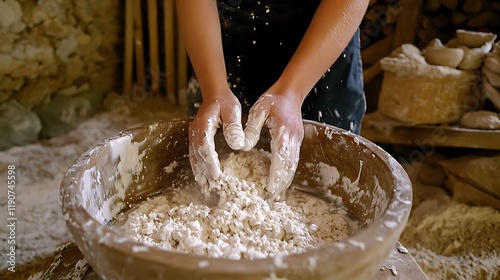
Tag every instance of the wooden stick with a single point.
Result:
(169, 37)
(377, 50)
(372, 72)
(407, 22)
(139, 43)
(154, 63)
(128, 59)
(182, 63)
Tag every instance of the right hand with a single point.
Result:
(215, 110)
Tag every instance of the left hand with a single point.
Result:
(282, 115)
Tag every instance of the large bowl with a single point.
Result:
(122, 171)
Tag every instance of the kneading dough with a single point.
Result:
(481, 120)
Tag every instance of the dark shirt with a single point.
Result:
(260, 37)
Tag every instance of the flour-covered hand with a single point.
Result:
(282, 115)
(202, 154)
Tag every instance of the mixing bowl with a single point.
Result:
(335, 165)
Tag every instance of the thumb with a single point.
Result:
(256, 119)
(233, 131)
(285, 150)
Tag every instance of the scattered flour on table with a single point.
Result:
(40, 168)
(462, 242)
(238, 223)
(452, 240)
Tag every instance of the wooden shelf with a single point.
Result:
(380, 129)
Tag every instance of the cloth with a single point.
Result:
(259, 39)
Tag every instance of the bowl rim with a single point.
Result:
(81, 223)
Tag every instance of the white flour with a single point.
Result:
(40, 168)
(241, 225)
(451, 240)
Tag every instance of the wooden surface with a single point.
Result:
(129, 46)
(154, 56)
(138, 39)
(69, 263)
(155, 59)
(408, 22)
(380, 129)
(169, 39)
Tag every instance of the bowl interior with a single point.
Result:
(341, 167)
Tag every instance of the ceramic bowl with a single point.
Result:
(125, 170)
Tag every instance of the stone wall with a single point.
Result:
(58, 60)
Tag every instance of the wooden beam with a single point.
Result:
(182, 63)
(377, 50)
(372, 72)
(407, 22)
(154, 60)
(139, 43)
(128, 59)
(169, 37)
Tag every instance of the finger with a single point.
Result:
(207, 150)
(285, 150)
(203, 157)
(256, 118)
(232, 129)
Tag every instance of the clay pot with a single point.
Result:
(125, 170)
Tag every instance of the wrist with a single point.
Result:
(217, 94)
(290, 92)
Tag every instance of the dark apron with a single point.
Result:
(259, 39)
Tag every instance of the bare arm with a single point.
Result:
(329, 32)
(331, 29)
(200, 28)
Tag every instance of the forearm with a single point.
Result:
(331, 29)
(200, 28)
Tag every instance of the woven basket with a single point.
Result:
(418, 98)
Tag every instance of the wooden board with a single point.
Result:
(408, 22)
(380, 129)
(182, 63)
(154, 59)
(140, 66)
(128, 58)
(170, 38)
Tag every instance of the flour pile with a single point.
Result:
(449, 239)
(241, 225)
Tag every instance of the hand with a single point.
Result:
(282, 115)
(222, 109)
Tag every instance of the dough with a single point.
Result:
(481, 120)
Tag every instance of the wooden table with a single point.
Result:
(380, 129)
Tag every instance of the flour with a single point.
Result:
(408, 61)
(238, 223)
(462, 243)
(40, 168)
(452, 240)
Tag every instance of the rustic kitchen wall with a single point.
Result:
(58, 60)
